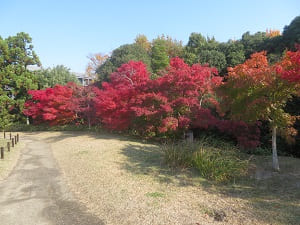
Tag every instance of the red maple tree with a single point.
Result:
(289, 66)
(52, 105)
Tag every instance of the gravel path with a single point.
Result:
(35, 193)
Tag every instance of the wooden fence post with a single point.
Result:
(12, 142)
(190, 136)
(2, 152)
(10, 136)
(18, 137)
(15, 140)
(8, 146)
(4, 134)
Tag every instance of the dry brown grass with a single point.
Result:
(10, 158)
(124, 182)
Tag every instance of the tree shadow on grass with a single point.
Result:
(148, 160)
(62, 135)
(54, 138)
(272, 197)
(273, 200)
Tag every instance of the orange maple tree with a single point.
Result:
(256, 91)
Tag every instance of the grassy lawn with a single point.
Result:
(126, 182)
(10, 158)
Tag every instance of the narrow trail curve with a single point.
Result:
(35, 193)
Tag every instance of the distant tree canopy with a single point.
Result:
(16, 53)
(142, 41)
(173, 47)
(122, 55)
(253, 43)
(291, 33)
(234, 52)
(95, 61)
(56, 75)
(207, 50)
(157, 53)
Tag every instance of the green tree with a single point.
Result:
(122, 55)
(291, 33)
(234, 52)
(16, 54)
(6, 118)
(105, 70)
(173, 47)
(204, 50)
(189, 57)
(159, 55)
(253, 43)
(56, 75)
(214, 58)
(196, 43)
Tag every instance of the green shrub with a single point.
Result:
(213, 158)
(219, 165)
(178, 155)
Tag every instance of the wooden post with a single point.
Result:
(18, 137)
(2, 152)
(12, 142)
(10, 136)
(15, 140)
(4, 134)
(190, 136)
(8, 146)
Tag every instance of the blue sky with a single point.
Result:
(65, 32)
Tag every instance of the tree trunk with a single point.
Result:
(274, 150)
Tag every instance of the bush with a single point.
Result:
(178, 155)
(213, 158)
(218, 165)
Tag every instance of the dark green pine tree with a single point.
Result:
(16, 54)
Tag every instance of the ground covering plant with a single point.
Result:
(213, 158)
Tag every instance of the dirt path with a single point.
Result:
(35, 193)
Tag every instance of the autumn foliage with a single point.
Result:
(62, 105)
(52, 105)
(256, 90)
(272, 33)
(183, 97)
(153, 107)
(289, 66)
